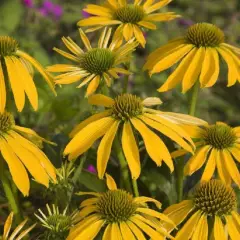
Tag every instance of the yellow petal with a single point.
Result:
(45, 162)
(137, 232)
(222, 169)
(111, 184)
(2, 91)
(130, 150)
(30, 161)
(142, 200)
(139, 35)
(116, 233)
(159, 17)
(235, 153)
(91, 119)
(189, 227)
(126, 232)
(66, 55)
(172, 58)
(16, 85)
(232, 71)
(210, 166)
(27, 83)
(40, 68)
(17, 170)
(100, 100)
(193, 71)
(104, 148)
(62, 68)
(122, 3)
(231, 166)
(86, 80)
(178, 74)
(72, 46)
(107, 38)
(169, 133)
(196, 161)
(151, 101)
(128, 31)
(98, 10)
(147, 24)
(107, 232)
(92, 21)
(7, 226)
(232, 228)
(85, 39)
(219, 232)
(178, 212)
(93, 85)
(91, 133)
(201, 231)
(156, 214)
(156, 6)
(151, 140)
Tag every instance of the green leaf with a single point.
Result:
(92, 182)
(11, 12)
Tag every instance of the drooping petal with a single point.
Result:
(210, 166)
(107, 232)
(3, 94)
(116, 233)
(219, 232)
(222, 169)
(104, 149)
(130, 150)
(232, 228)
(201, 231)
(137, 232)
(126, 232)
(7, 226)
(142, 200)
(100, 100)
(93, 85)
(189, 227)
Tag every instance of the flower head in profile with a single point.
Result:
(218, 146)
(212, 202)
(56, 223)
(16, 67)
(95, 64)
(120, 215)
(198, 52)
(21, 154)
(127, 112)
(17, 233)
(130, 18)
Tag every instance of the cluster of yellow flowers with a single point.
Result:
(212, 211)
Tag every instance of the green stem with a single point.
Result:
(126, 79)
(135, 187)
(193, 99)
(123, 165)
(13, 206)
(181, 162)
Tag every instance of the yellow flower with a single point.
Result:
(130, 18)
(95, 64)
(16, 66)
(124, 112)
(120, 214)
(20, 153)
(218, 146)
(17, 231)
(214, 205)
(199, 51)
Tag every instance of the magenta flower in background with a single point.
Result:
(28, 3)
(48, 5)
(43, 11)
(85, 14)
(57, 11)
(91, 169)
(185, 22)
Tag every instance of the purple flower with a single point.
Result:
(48, 5)
(185, 22)
(91, 168)
(85, 14)
(28, 3)
(57, 11)
(43, 11)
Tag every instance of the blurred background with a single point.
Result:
(38, 25)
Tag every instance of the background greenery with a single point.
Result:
(38, 28)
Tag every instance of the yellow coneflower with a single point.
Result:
(129, 17)
(218, 146)
(20, 153)
(94, 65)
(15, 67)
(214, 205)
(17, 231)
(199, 51)
(120, 214)
(129, 111)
